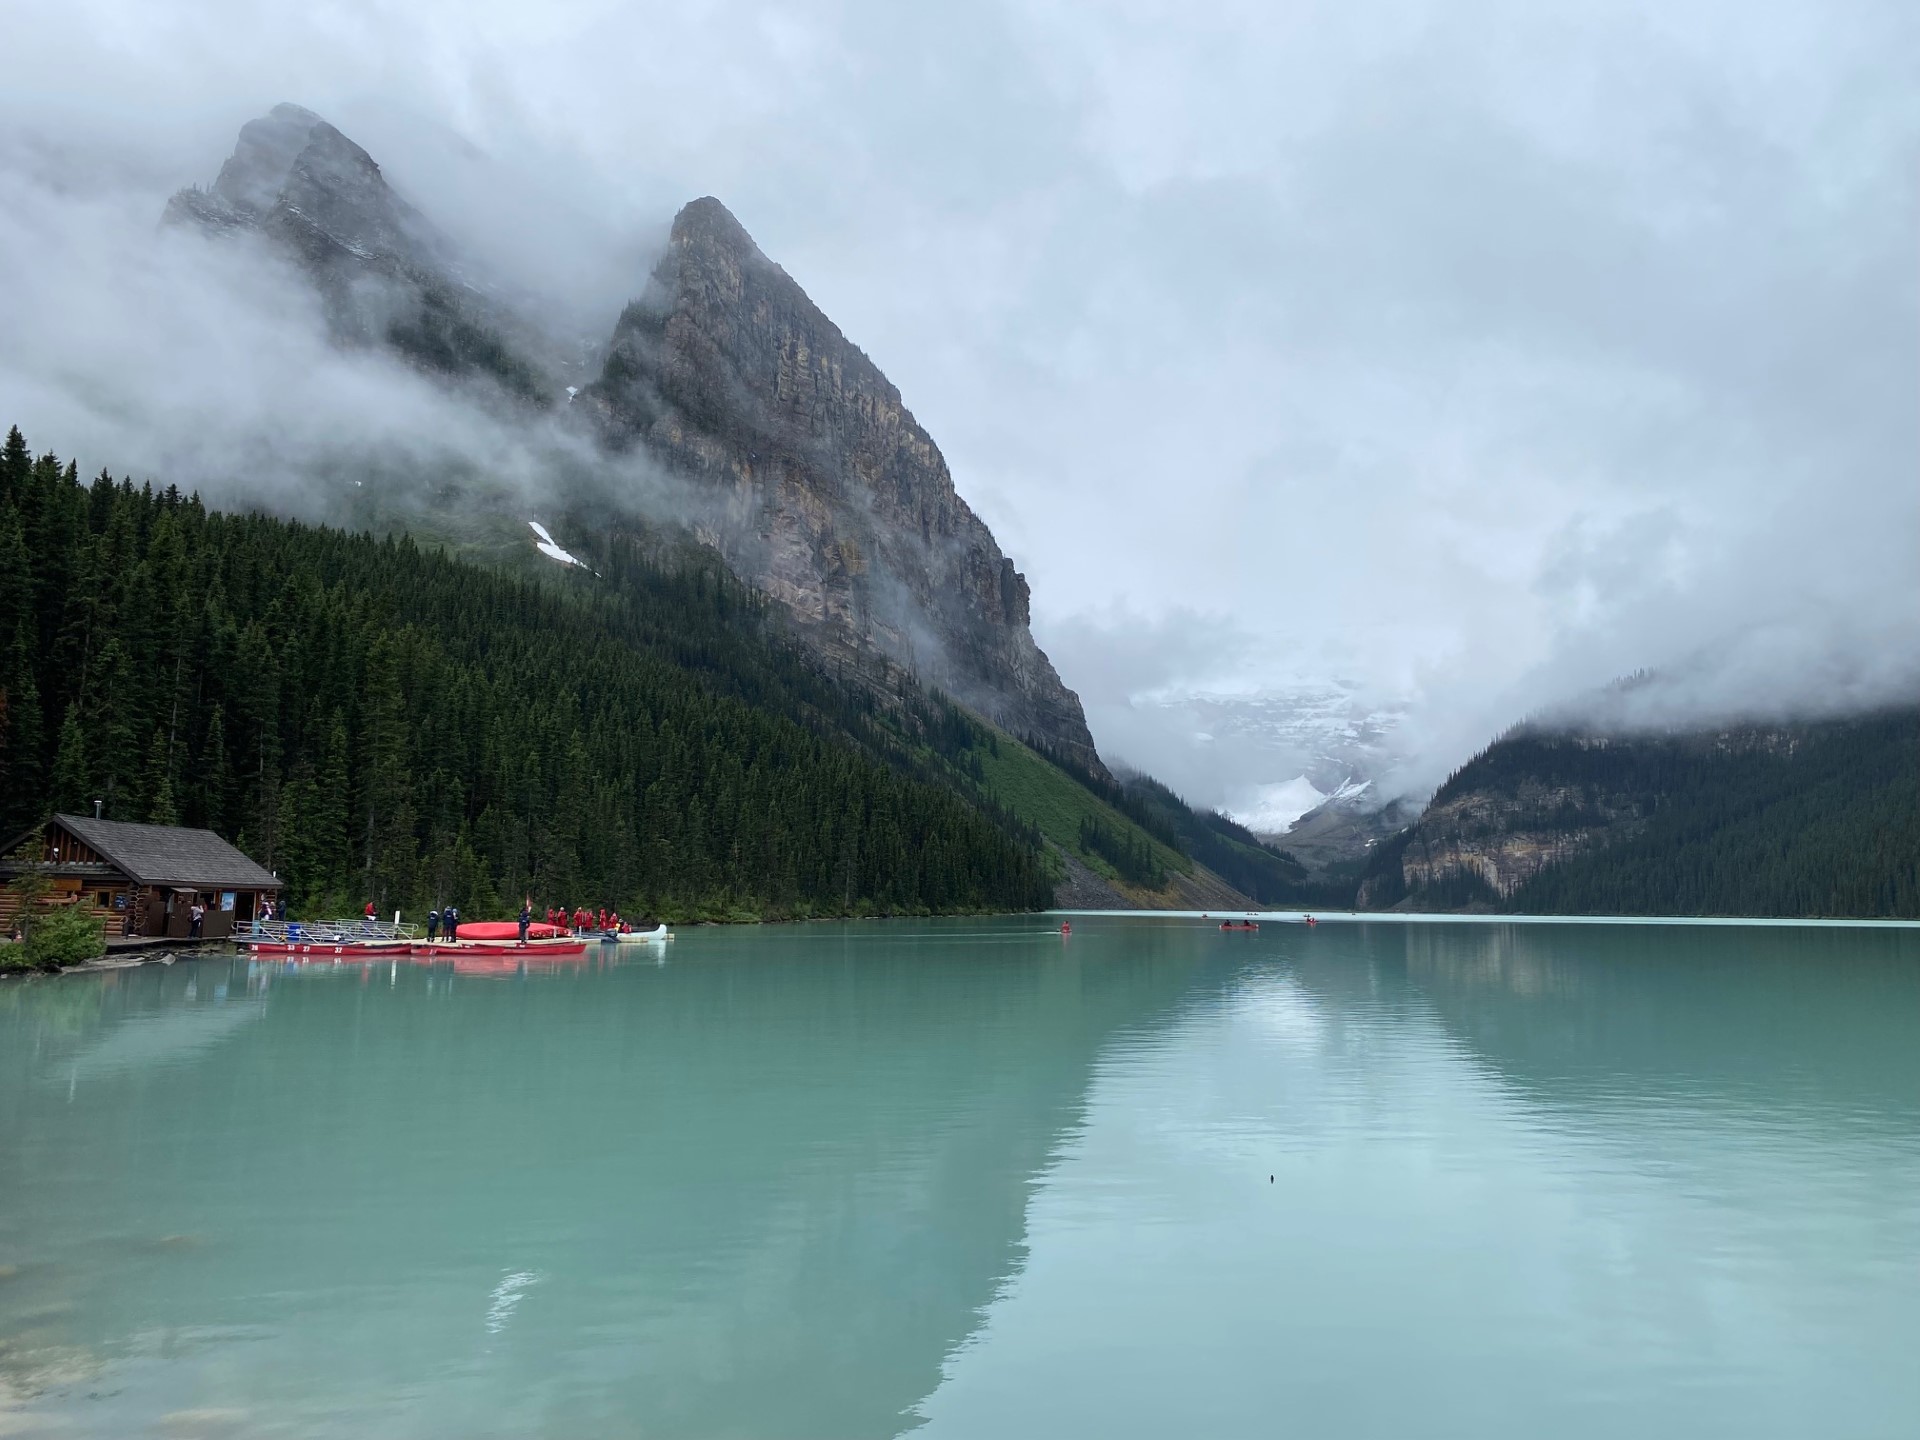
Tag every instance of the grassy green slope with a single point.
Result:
(1055, 803)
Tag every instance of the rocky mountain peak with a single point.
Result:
(388, 275)
(809, 474)
(255, 173)
(293, 173)
(707, 222)
(826, 491)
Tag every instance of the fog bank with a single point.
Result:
(1455, 358)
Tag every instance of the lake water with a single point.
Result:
(975, 1179)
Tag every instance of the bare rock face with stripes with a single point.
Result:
(828, 493)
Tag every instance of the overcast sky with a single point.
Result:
(1470, 353)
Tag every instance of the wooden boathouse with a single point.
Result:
(144, 879)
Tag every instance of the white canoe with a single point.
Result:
(634, 937)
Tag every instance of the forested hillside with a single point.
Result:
(1819, 819)
(380, 721)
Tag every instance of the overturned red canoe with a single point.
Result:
(563, 945)
(507, 930)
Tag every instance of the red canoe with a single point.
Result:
(507, 930)
(508, 946)
(346, 948)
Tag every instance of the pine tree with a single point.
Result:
(16, 466)
(329, 823)
(16, 575)
(72, 783)
(390, 853)
(299, 847)
(160, 809)
(22, 791)
(214, 775)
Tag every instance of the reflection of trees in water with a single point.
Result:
(768, 1188)
(1759, 1015)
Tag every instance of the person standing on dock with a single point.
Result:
(196, 917)
(526, 917)
(433, 926)
(450, 922)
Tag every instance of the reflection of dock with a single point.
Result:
(478, 959)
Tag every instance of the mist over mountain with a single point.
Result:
(726, 402)
(821, 486)
(385, 274)
(1308, 345)
(1817, 818)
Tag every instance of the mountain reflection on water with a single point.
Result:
(850, 1180)
(765, 1186)
(1757, 1020)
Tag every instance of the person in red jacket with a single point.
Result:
(579, 919)
(369, 910)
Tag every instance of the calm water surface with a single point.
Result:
(973, 1180)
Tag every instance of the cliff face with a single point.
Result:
(1496, 839)
(818, 484)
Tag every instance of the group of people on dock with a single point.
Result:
(444, 925)
(582, 920)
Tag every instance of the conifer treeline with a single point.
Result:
(1825, 821)
(1817, 819)
(377, 721)
(1132, 858)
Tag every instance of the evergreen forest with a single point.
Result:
(381, 720)
(378, 720)
(1812, 819)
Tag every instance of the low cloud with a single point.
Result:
(157, 351)
(1463, 356)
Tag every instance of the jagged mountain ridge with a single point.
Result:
(802, 465)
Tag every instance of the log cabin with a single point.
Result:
(144, 879)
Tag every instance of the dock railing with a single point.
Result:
(322, 932)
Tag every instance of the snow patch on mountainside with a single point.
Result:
(544, 543)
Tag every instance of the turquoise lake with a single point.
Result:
(976, 1179)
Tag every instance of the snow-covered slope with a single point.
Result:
(1294, 748)
(546, 545)
(1273, 809)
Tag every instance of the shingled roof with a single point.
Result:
(170, 854)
